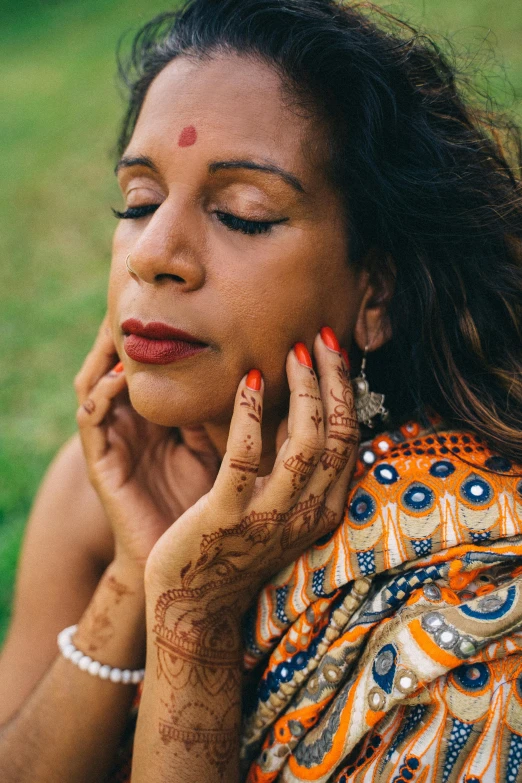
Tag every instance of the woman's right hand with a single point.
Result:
(145, 475)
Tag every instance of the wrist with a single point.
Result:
(130, 572)
(112, 628)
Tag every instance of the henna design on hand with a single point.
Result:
(119, 588)
(198, 641)
(317, 419)
(185, 630)
(315, 519)
(196, 626)
(236, 464)
(255, 407)
(243, 467)
(97, 624)
(218, 745)
(344, 415)
(331, 459)
(343, 427)
(311, 387)
(301, 521)
(197, 623)
(199, 651)
(99, 629)
(302, 468)
(255, 528)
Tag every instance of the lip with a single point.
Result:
(158, 343)
(155, 330)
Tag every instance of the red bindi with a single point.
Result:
(187, 136)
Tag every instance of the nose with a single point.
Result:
(169, 250)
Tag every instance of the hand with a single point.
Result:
(146, 475)
(203, 575)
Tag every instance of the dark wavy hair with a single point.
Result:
(424, 177)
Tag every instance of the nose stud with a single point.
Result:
(130, 270)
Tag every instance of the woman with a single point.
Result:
(308, 598)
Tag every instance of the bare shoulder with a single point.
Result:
(70, 503)
(67, 545)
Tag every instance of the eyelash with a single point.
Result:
(232, 222)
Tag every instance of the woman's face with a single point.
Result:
(248, 296)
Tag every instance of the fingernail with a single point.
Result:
(303, 357)
(118, 368)
(344, 354)
(253, 380)
(329, 339)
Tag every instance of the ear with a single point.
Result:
(373, 327)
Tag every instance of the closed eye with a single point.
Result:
(134, 213)
(232, 222)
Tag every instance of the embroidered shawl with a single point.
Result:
(391, 650)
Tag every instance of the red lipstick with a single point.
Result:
(158, 343)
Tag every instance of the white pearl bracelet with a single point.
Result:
(97, 669)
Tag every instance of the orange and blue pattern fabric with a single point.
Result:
(391, 650)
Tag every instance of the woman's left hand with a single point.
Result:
(247, 528)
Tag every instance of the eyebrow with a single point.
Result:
(270, 168)
(290, 179)
(128, 162)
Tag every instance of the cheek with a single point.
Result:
(277, 304)
(289, 298)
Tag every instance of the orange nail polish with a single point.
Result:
(119, 368)
(303, 357)
(329, 339)
(253, 380)
(344, 354)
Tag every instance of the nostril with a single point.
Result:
(164, 276)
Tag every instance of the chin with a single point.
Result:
(165, 402)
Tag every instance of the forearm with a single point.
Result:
(190, 711)
(69, 728)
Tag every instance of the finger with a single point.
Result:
(236, 479)
(332, 510)
(317, 515)
(338, 493)
(342, 432)
(98, 362)
(299, 455)
(93, 410)
(281, 435)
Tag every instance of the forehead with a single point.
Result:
(235, 103)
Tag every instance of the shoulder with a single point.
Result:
(413, 452)
(66, 501)
(66, 547)
(416, 492)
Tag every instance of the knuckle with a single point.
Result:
(245, 460)
(85, 412)
(312, 443)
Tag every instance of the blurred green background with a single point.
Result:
(60, 108)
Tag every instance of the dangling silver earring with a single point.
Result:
(368, 404)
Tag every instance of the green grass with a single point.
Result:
(60, 112)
